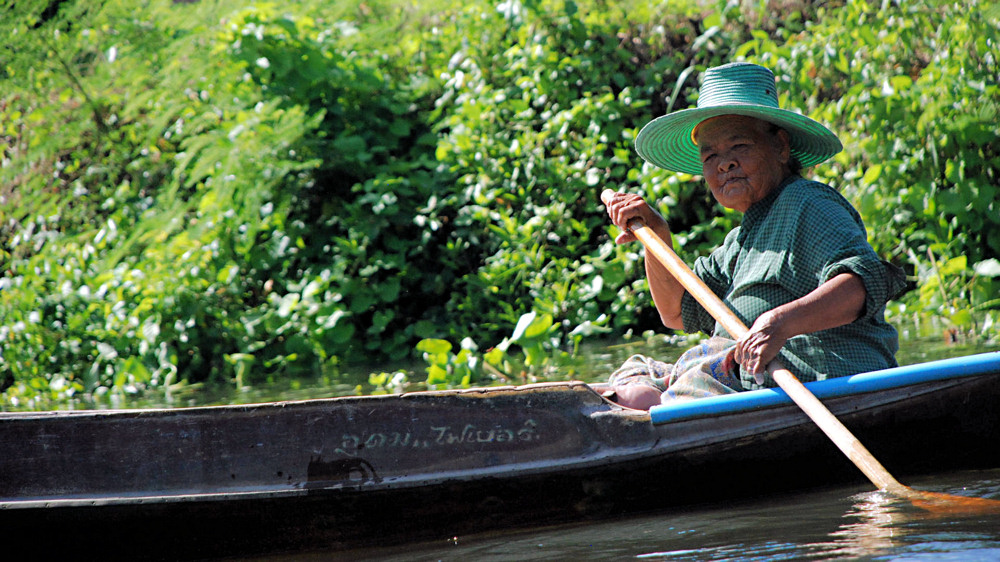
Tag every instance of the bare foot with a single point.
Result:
(637, 396)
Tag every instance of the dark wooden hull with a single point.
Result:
(347, 472)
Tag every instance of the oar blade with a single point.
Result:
(952, 505)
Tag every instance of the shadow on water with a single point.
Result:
(837, 523)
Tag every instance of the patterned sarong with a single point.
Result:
(704, 370)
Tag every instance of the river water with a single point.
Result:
(593, 362)
(842, 523)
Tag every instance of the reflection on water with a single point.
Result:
(872, 527)
(843, 523)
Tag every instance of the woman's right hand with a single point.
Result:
(623, 207)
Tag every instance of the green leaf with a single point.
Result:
(494, 356)
(588, 328)
(400, 127)
(531, 326)
(614, 274)
(714, 19)
(951, 172)
(954, 266)
(436, 375)
(522, 325)
(349, 144)
(361, 301)
(900, 83)
(381, 320)
(872, 174)
(434, 346)
(539, 327)
(389, 290)
(962, 318)
(342, 332)
(424, 329)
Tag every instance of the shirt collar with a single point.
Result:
(759, 210)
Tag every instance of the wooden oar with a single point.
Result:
(817, 412)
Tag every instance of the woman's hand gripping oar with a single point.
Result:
(817, 412)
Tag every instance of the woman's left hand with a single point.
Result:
(837, 302)
(760, 345)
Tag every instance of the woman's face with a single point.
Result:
(742, 159)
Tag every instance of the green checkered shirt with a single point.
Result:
(792, 241)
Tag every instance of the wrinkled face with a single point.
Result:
(742, 158)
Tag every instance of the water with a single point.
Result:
(593, 362)
(847, 523)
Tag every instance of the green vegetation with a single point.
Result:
(234, 192)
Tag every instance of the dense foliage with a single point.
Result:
(235, 191)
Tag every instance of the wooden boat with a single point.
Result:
(344, 472)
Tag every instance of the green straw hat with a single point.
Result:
(737, 88)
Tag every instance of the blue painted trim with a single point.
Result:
(955, 367)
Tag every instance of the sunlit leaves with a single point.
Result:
(232, 192)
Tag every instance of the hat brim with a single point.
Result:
(667, 141)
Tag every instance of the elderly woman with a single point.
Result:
(798, 270)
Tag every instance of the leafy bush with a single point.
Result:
(233, 192)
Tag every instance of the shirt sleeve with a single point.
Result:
(831, 240)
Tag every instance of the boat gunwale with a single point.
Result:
(955, 368)
(572, 385)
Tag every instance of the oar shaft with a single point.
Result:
(691, 282)
(817, 412)
(836, 431)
